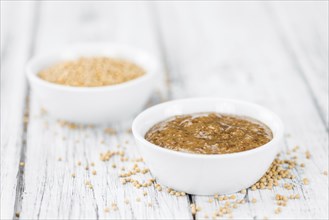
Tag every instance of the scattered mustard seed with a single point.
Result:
(277, 210)
(193, 209)
(306, 181)
(295, 149)
(110, 131)
(288, 186)
(89, 185)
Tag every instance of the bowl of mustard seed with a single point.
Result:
(206, 146)
(93, 82)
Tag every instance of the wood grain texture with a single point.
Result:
(274, 54)
(305, 40)
(16, 18)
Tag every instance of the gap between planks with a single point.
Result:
(20, 186)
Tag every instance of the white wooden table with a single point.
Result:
(271, 53)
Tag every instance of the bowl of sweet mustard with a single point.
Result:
(206, 146)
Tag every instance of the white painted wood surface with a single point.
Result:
(273, 53)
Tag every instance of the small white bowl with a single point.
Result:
(207, 174)
(93, 104)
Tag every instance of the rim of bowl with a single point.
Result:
(274, 140)
(150, 70)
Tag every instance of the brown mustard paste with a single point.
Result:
(209, 133)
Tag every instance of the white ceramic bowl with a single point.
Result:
(93, 104)
(207, 174)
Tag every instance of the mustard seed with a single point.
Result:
(277, 210)
(193, 209)
(91, 72)
(306, 181)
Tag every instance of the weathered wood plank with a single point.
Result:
(232, 50)
(50, 190)
(16, 37)
(303, 29)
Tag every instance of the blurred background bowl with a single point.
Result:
(93, 104)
